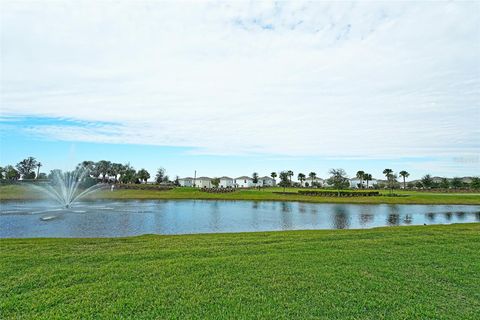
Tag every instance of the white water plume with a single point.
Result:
(65, 188)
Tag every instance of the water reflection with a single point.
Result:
(125, 218)
(341, 218)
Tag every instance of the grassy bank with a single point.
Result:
(388, 273)
(11, 192)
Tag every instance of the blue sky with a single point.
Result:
(232, 88)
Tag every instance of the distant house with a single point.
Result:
(226, 182)
(310, 182)
(355, 183)
(266, 182)
(203, 182)
(186, 182)
(244, 182)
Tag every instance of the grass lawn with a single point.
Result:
(9, 192)
(423, 272)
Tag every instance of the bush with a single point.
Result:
(331, 193)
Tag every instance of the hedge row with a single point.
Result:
(331, 193)
(143, 187)
(218, 190)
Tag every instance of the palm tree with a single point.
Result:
(273, 175)
(39, 164)
(312, 175)
(143, 175)
(390, 177)
(367, 177)
(290, 175)
(104, 168)
(361, 176)
(404, 174)
(301, 178)
(255, 179)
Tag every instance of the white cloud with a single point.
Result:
(339, 79)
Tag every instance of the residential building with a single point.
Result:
(266, 182)
(244, 182)
(186, 182)
(203, 182)
(226, 182)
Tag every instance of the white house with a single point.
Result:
(309, 182)
(226, 182)
(355, 183)
(186, 182)
(244, 182)
(266, 182)
(203, 182)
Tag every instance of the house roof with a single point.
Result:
(266, 177)
(244, 178)
(186, 178)
(225, 178)
(204, 178)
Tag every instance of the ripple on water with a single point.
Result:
(48, 218)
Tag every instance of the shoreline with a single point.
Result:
(21, 193)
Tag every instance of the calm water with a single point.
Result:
(128, 218)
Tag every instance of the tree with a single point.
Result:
(284, 180)
(143, 175)
(89, 167)
(427, 181)
(129, 174)
(273, 175)
(159, 177)
(115, 170)
(2, 171)
(361, 175)
(26, 168)
(103, 168)
(367, 177)
(301, 178)
(391, 178)
(255, 178)
(312, 176)
(216, 182)
(456, 183)
(444, 184)
(404, 174)
(11, 173)
(338, 179)
(39, 164)
(290, 175)
(475, 184)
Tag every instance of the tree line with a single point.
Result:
(101, 171)
(111, 172)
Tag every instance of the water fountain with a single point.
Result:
(64, 188)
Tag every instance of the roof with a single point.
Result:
(225, 177)
(244, 178)
(266, 177)
(186, 178)
(204, 178)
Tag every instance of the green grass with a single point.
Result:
(423, 272)
(10, 192)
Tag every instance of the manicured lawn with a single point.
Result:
(423, 272)
(411, 197)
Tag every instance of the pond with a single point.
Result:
(108, 218)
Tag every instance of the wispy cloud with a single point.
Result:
(334, 80)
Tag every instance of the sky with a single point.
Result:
(232, 88)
